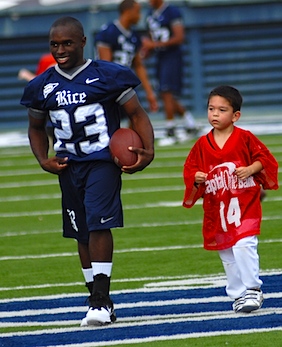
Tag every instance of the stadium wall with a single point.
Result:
(236, 44)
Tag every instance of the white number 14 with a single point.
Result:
(233, 214)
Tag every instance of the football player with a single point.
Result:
(167, 35)
(83, 99)
(118, 42)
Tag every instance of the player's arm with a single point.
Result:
(141, 124)
(244, 172)
(104, 52)
(39, 144)
(141, 72)
(26, 75)
(177, 38)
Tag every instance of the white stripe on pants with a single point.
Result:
(241, 265)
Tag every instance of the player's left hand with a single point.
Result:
(144, 158)
(243, 172)
(153, 102)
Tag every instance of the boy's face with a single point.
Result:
(220, 113)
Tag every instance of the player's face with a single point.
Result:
(135, 13)
(66, 46)
(220, 113)
(156, 3)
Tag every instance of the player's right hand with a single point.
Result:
(54, 165)
(200, 177)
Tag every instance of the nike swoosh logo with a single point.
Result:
(88, 80)
(102, 221)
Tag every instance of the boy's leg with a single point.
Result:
(234, 288)
(247, 260)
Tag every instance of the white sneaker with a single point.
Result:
(253, 300)
(238, 304)
(99, 316)
(84, 322)
(183, 137)
(167, 141)
(101, 311)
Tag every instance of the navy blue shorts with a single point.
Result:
(90, 198)
(169, 72)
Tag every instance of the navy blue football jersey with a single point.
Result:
(123, 43)
(83, 107)
(160, 25)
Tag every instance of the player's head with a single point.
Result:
(231, 94)
(224, 104)
(131, 9)
(67, 41)
(156, 3)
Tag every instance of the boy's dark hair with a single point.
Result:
(126, 5)
(229, 93)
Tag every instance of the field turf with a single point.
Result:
(158, 253)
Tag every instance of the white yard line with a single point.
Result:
(130, 250)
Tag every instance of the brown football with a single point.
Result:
(119, 143)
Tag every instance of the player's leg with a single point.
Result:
(164, 67)
(101, 309)
(82, 190)
(190, 125)
(170, 85)
(74, 220)
(247, 259)
(103, 212)
(235, 289)
(83, 251)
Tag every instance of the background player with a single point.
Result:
(227, 168)
(83, 98)
(119, 43)
(167, 35)
(46, 60)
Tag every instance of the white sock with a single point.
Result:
(189, 120)
(88, 274)
(102, 268)
(170, 124)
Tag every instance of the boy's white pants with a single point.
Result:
(241, 265)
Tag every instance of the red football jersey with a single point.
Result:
(232, 208)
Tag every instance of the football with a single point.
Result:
(119, 143)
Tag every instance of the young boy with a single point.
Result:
(227, 167)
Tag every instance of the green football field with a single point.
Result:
(161, 241)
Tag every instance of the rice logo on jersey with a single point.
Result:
(66, 97)
(223, 177)
(49, 88)
(71, 214)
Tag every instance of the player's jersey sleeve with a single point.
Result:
(193, 164)
(174, 15)
(33, 96)
(268, 177)
(106, 36)
(116, 78)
